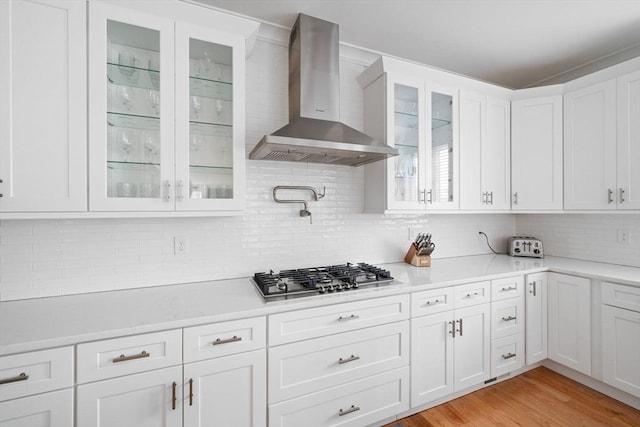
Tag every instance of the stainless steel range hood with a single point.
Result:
(314, 133)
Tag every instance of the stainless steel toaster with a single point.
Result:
(525, 246)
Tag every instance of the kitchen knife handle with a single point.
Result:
(610, 192)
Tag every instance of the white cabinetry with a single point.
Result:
(28, 384)
(450, 348)
(569, 317)
(628, 141)
(536, 324)
(536, 153)
(167, 118)
(344, 364)
(43, 106)
(507, 325)
(485, 147)
(420, 120)
(621, 337)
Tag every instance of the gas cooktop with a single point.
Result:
(320, 280)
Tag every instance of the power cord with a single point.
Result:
(488, 244)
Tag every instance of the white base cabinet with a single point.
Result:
(569, 316)
(53, 409)
(536, 322)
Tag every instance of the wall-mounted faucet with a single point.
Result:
(304, 212)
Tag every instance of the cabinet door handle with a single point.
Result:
(227, 340)
(353, 316)
(460, 330)
(353, 408)
(430, 199)
(173, 396)
(515, 198)
(509, 318)
(484, 198)
(21, 377)
(123, 358)
(509, 288)
(179, 188)
(453, 328)
(167, 191)
(351, 358)
(508, 355)
(610, 192)
(621, 195)
(422, 198)
(190, 391)
(491, 198)
(533, 284)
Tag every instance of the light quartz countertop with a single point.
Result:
(35, 324)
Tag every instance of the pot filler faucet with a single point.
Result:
(304, 212)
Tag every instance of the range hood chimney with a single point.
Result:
(314, 133)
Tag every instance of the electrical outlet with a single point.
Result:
(623, 237)
(179, 245)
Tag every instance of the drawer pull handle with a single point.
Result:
(21, 377)
(353, 316)
(508, 319)
(190, 391)
(472, 295)
(228, 340)
(353, 408)
(533, 284)
(436, 301)
(173, 396)
(510, 288)
(508, 355)
(348, 359)
(124, 358)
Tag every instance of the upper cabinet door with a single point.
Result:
(628, 190)
(472, 122)
(43, 106)
(536, 153)
(590, 147)
(132, 115)
(210, 119)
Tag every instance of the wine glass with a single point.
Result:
(196, 141)
(154, 73)
(196, 106)
(219, 110)
(206, 66)
(128, 66)
(154, 101)
(151, 146)
(124, 140)
(124, 93)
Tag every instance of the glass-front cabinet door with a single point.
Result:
(442, 154)
(405, 182)
(209, 147)
(131, 113)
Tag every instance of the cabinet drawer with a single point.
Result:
(511, 287)
(357, 403)
(35, 372)
(622, 296)
(304, 367)
(507, 355)
(225, 338)
(507, 317)
(54, 409)
(128, 355)
(316, 322)
(472, 294)
(432, 301)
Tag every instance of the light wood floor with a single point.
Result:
(539, 397)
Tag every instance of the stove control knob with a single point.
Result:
(322, 290)
(354, 286)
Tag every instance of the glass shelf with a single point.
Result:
(133, 121)
(124, 75)
(406, 120)
(124, 165)
(438, 123)
(406, 114)
(211, 88)
(205, 128)
(226, 170)
(406, 146)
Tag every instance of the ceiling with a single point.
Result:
(513, 43)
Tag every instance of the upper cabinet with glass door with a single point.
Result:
(420, 121)
(166, 110)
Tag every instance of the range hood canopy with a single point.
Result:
(314, 133)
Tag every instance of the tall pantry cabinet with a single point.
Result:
(43, 106)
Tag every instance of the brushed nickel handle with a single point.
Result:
(227, 340)
(179, 188)
(353, 316)
(491, 201)
(621, 195)
(167, 191)
(21, 377)
(509, 288)
(453, 328)
(430, 199)
(485, 198)
(610, 192)
(470, 295)
(436, 301)
(508, 356)
(351, 358)
(190, 391)
(515, 198)
(173, 396)
(123, 358)
(533, 284)
(509, 318)
(348, 411)
(422, 198)
(460, 330)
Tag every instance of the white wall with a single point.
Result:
(56, 257)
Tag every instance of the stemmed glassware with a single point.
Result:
(128, 66)
(124, 140)
(154, 101)
(196, 106)
(124, 93)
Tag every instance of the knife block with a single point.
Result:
(418, 260)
